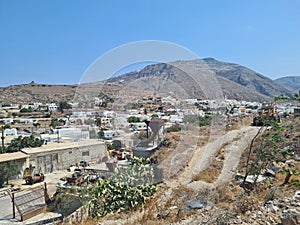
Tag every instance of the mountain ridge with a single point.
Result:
(292, 82)
(236, 79)
(205, 78)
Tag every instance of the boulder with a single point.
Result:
(199, 203)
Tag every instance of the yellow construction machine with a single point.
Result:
(266, 115)
(31, 179)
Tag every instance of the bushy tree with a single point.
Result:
(7, 170)
(56, 122)
(98, 121)
(199, 120)
(133, 119)
(64, 105)
(23, 142)
(174, 128)
(26, 110)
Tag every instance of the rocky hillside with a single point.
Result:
(203, 185)
(207, 78)
(246, 77)
(33, 92)
(292, 82)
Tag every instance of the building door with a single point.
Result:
(48, 163)
(54, 162)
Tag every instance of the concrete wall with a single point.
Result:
(63, 157)
(20, 158)
(22, 163)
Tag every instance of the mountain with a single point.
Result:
(207, 78)
(247, 78)
(292, 82)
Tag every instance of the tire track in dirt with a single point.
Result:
(203, 156)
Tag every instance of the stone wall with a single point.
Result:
(77, 217)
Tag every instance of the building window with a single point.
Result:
(86, 153)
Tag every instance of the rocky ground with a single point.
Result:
(200, 187)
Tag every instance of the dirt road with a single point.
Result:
(233, 144)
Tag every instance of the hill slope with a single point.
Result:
(207, 78)
(246, 77)
(27, 93)
(292, 82)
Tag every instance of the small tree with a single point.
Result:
(174, 128)
(133, 119)
(199, 120)
(64, 105)
(36, 125)
(7, 170)
(23, 142)
(266, 147)
(56, 122)
(101, 134)
(98, 121)
(26, 110)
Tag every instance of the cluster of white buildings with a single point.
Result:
(115, 124)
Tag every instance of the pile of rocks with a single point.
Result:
(284, 211)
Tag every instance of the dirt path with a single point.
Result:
(234, 143)
(233, 154)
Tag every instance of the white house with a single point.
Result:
(26, 121)
(10, 132)
(175, 119)
(67, 134)
(36, 105)
(109, 133)
(120, 122)
(139, 126)
(7, 121)
(52, 107)
(191, 101)
(111, 114)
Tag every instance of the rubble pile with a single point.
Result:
(279, 211)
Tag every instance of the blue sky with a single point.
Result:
(55, 41)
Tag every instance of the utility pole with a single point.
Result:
(147, 124)
(2, 139)
(57, 136)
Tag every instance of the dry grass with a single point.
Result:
(166, 206)
(235, 123)
(211, 173)
(165, 152)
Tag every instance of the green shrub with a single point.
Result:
(194, 119)
(124, 190)
(174, 128)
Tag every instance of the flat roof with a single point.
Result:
(12, 156)
(54, 146)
